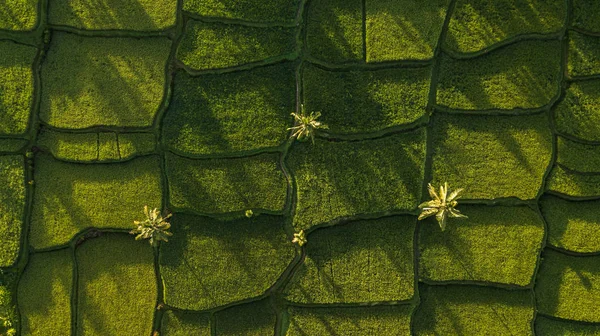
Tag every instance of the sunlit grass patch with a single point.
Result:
(476, 25)
(356, 321)
(569, 287)
(70, 197)
(273, 11)
(334, 30)
(340, 179)
(212, 45)
(240, 111)
(141, 15)
(491, 156)
(522, 75)
(473, 310)
(16, 85)
(406, 29)
(226, 185)
(116, 292)
(578, 156)
(19, 15)
(91, 81)
(572, 183)
(210, 263)
(12, 207)
(496, 244)
(578, 114)
(584, 54)
(363, 261)
(573, 226)
(366, 101)
(44, 294)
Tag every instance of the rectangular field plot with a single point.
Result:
(356, 321)
(495, 244)
(226, 185)
(572, 183)
(584, 54)
(473, 310)
(578, 114)
(71, 197)
(12, 207)
(19, 15)
(44, 293)
(341, 179)
(577, 156)
(116, 286)
(366, 101)
(185, 323)
(210, 263)
(363, 261)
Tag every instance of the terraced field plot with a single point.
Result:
(184, 105)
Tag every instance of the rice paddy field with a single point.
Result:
(184, 105)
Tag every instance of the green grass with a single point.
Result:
(508, 159)
(547, 326)
(584, 54)
(585, 15)
(44, 294)
(232, 112)
(366, 101)
(90, 81)
(273, 11)
(334, 30)
(70, 197)
(572, 183)
(19, 14)
(495, 244)
(473, 310)
(12, 207)
(116, 286)
(210, 263)
(577, 114)
(355, 321)
(573, 226)
(185, 323)
(12, 145)
(400, 30)
(144, 15)
(16, 85)
(522, 75)
(569, 287)
(578, 156)
(226, 185)
(8, 307)
(213, 45)
(252, 319)
(89, 147)
(364, 261)
(341, 179)
(476, 25)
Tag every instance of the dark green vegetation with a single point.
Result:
(273, 11)
(16, 85)
(211, 45)
(495, 244)
(392, 97)
(116, 294)
(144, 15)
(400, 30)
(226, 185)
(479, 24)
(249, 254)
(89, 81)
(473, 310)
(525, 74)
(485, 160)
(357, 321)
(184, 106)
(577, 115)
(234, 112)
(568, 287)
(12, 207)
(71, 197)
(342, 179)
(364, 261)
(44, 294)
(572, 225)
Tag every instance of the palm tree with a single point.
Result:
(442, 206)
